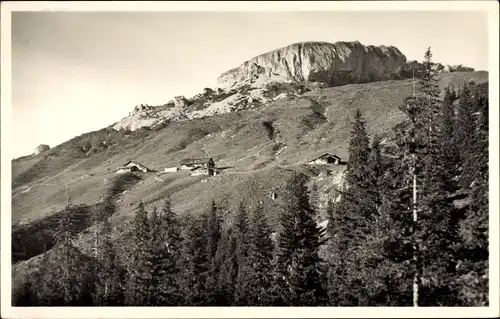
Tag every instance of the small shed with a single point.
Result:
(192, 163)
(133, 166)
(122, 170)
(198, 171)
(326, 158)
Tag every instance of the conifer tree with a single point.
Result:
(45, 283)
(432, 234)
(107, 282)
(194, 260)
(227, 257)
(377, 166)
(354, 215)
(473, 269)
(139, 281)
(435, 231)
(298, 262)
(70, 273)
(338, 291)
(164, 248)
(255, 272)
(466, 133)
(241, 241)
(241, 225)
(449, 149)
(213, 237)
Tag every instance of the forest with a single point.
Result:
(396, 236)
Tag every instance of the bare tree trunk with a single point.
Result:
(415, 249)
(415, 212)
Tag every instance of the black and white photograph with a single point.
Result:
(257, 160)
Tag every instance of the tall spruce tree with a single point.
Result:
(107, 282)
(213, 228)
(473, 268)
(255, 271)
(297, 274)
(465, 134)
(227, 257)
(69, 271)
(194, 260)
(165, 249)
(427, 182)
(139, 281)
(435, 231)
(241, 241)
(449, 149)
(354, 215)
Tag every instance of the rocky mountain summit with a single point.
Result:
(285, 72)
(332, 63)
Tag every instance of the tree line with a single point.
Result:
(410, 229)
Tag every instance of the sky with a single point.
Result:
(75, 72)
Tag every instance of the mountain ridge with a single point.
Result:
(311, 61)
(288, 71)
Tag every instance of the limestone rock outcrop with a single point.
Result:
(41, 148)
(180, 101)
(141, 108)
(332, 63)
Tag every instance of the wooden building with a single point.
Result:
(199, 166)
(133, 166)
(325, 159)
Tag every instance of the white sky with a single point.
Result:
(83, 71)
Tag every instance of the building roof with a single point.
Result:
(196, 160)
(137, 164)
(123, 167)
(326, 155)
(197, 168)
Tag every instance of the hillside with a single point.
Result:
(256, 150)
(302, 127)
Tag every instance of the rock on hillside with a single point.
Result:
(209, 103)
(41, 148)
(333, 63)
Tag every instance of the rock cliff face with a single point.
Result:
(332, 63)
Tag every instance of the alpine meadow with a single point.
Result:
(317, 174)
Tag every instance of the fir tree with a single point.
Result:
(298, 262)
(449, 149)
(107, 282)
(354, 215)
(164, 250)
(255, 272)
(473, 269)
(70, 273)
(213, 237)
(241, 242)
(139, 282)
(432, 233)
(194, 260)
(229, 265)
(435, 231)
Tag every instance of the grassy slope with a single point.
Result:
(303, 126)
